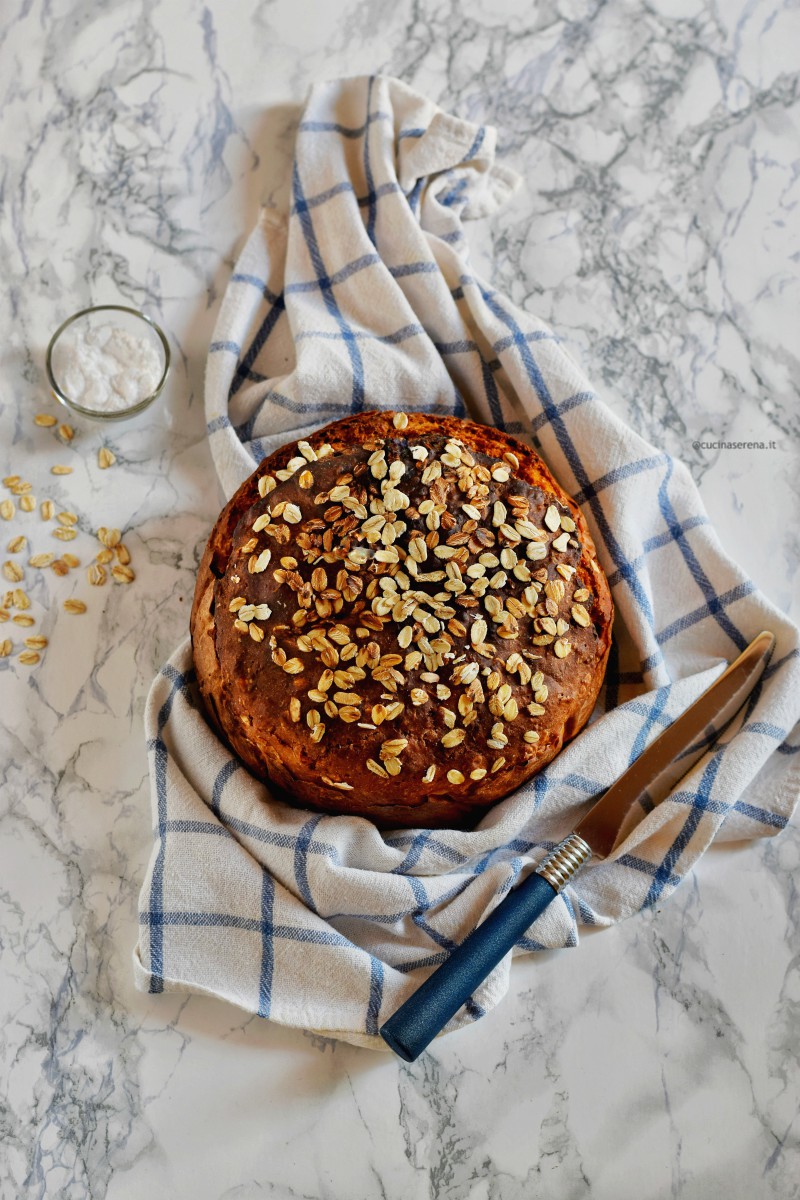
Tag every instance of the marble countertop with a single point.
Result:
(658, 232)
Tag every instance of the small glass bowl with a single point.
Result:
(133, 322)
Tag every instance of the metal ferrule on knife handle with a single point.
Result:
(564, 861)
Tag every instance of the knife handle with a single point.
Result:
(415, 1024)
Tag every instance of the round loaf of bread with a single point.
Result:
(401, 618)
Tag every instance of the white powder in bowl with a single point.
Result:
(107, 368)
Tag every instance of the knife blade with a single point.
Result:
(649, 779)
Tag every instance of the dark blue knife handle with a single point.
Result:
(416, 1023)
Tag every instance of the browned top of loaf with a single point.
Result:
(402, 617)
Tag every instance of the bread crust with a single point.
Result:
(253, 700)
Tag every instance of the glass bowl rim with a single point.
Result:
(98, 413)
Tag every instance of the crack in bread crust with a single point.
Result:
(401, 618)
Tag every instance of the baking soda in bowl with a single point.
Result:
(106, 368)
(108, 362)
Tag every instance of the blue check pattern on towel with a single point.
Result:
(363, 297)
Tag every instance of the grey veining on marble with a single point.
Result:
(658, 232)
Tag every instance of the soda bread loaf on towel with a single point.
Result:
(401, 618)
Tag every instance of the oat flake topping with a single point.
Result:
(469, 572)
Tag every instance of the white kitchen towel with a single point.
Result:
(363, 297)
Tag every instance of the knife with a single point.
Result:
(647, 781)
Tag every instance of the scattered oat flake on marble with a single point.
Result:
(105, 458)
(60, 469)
(74, 606)
(13, 571)
(45, 421)
(109, 537)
